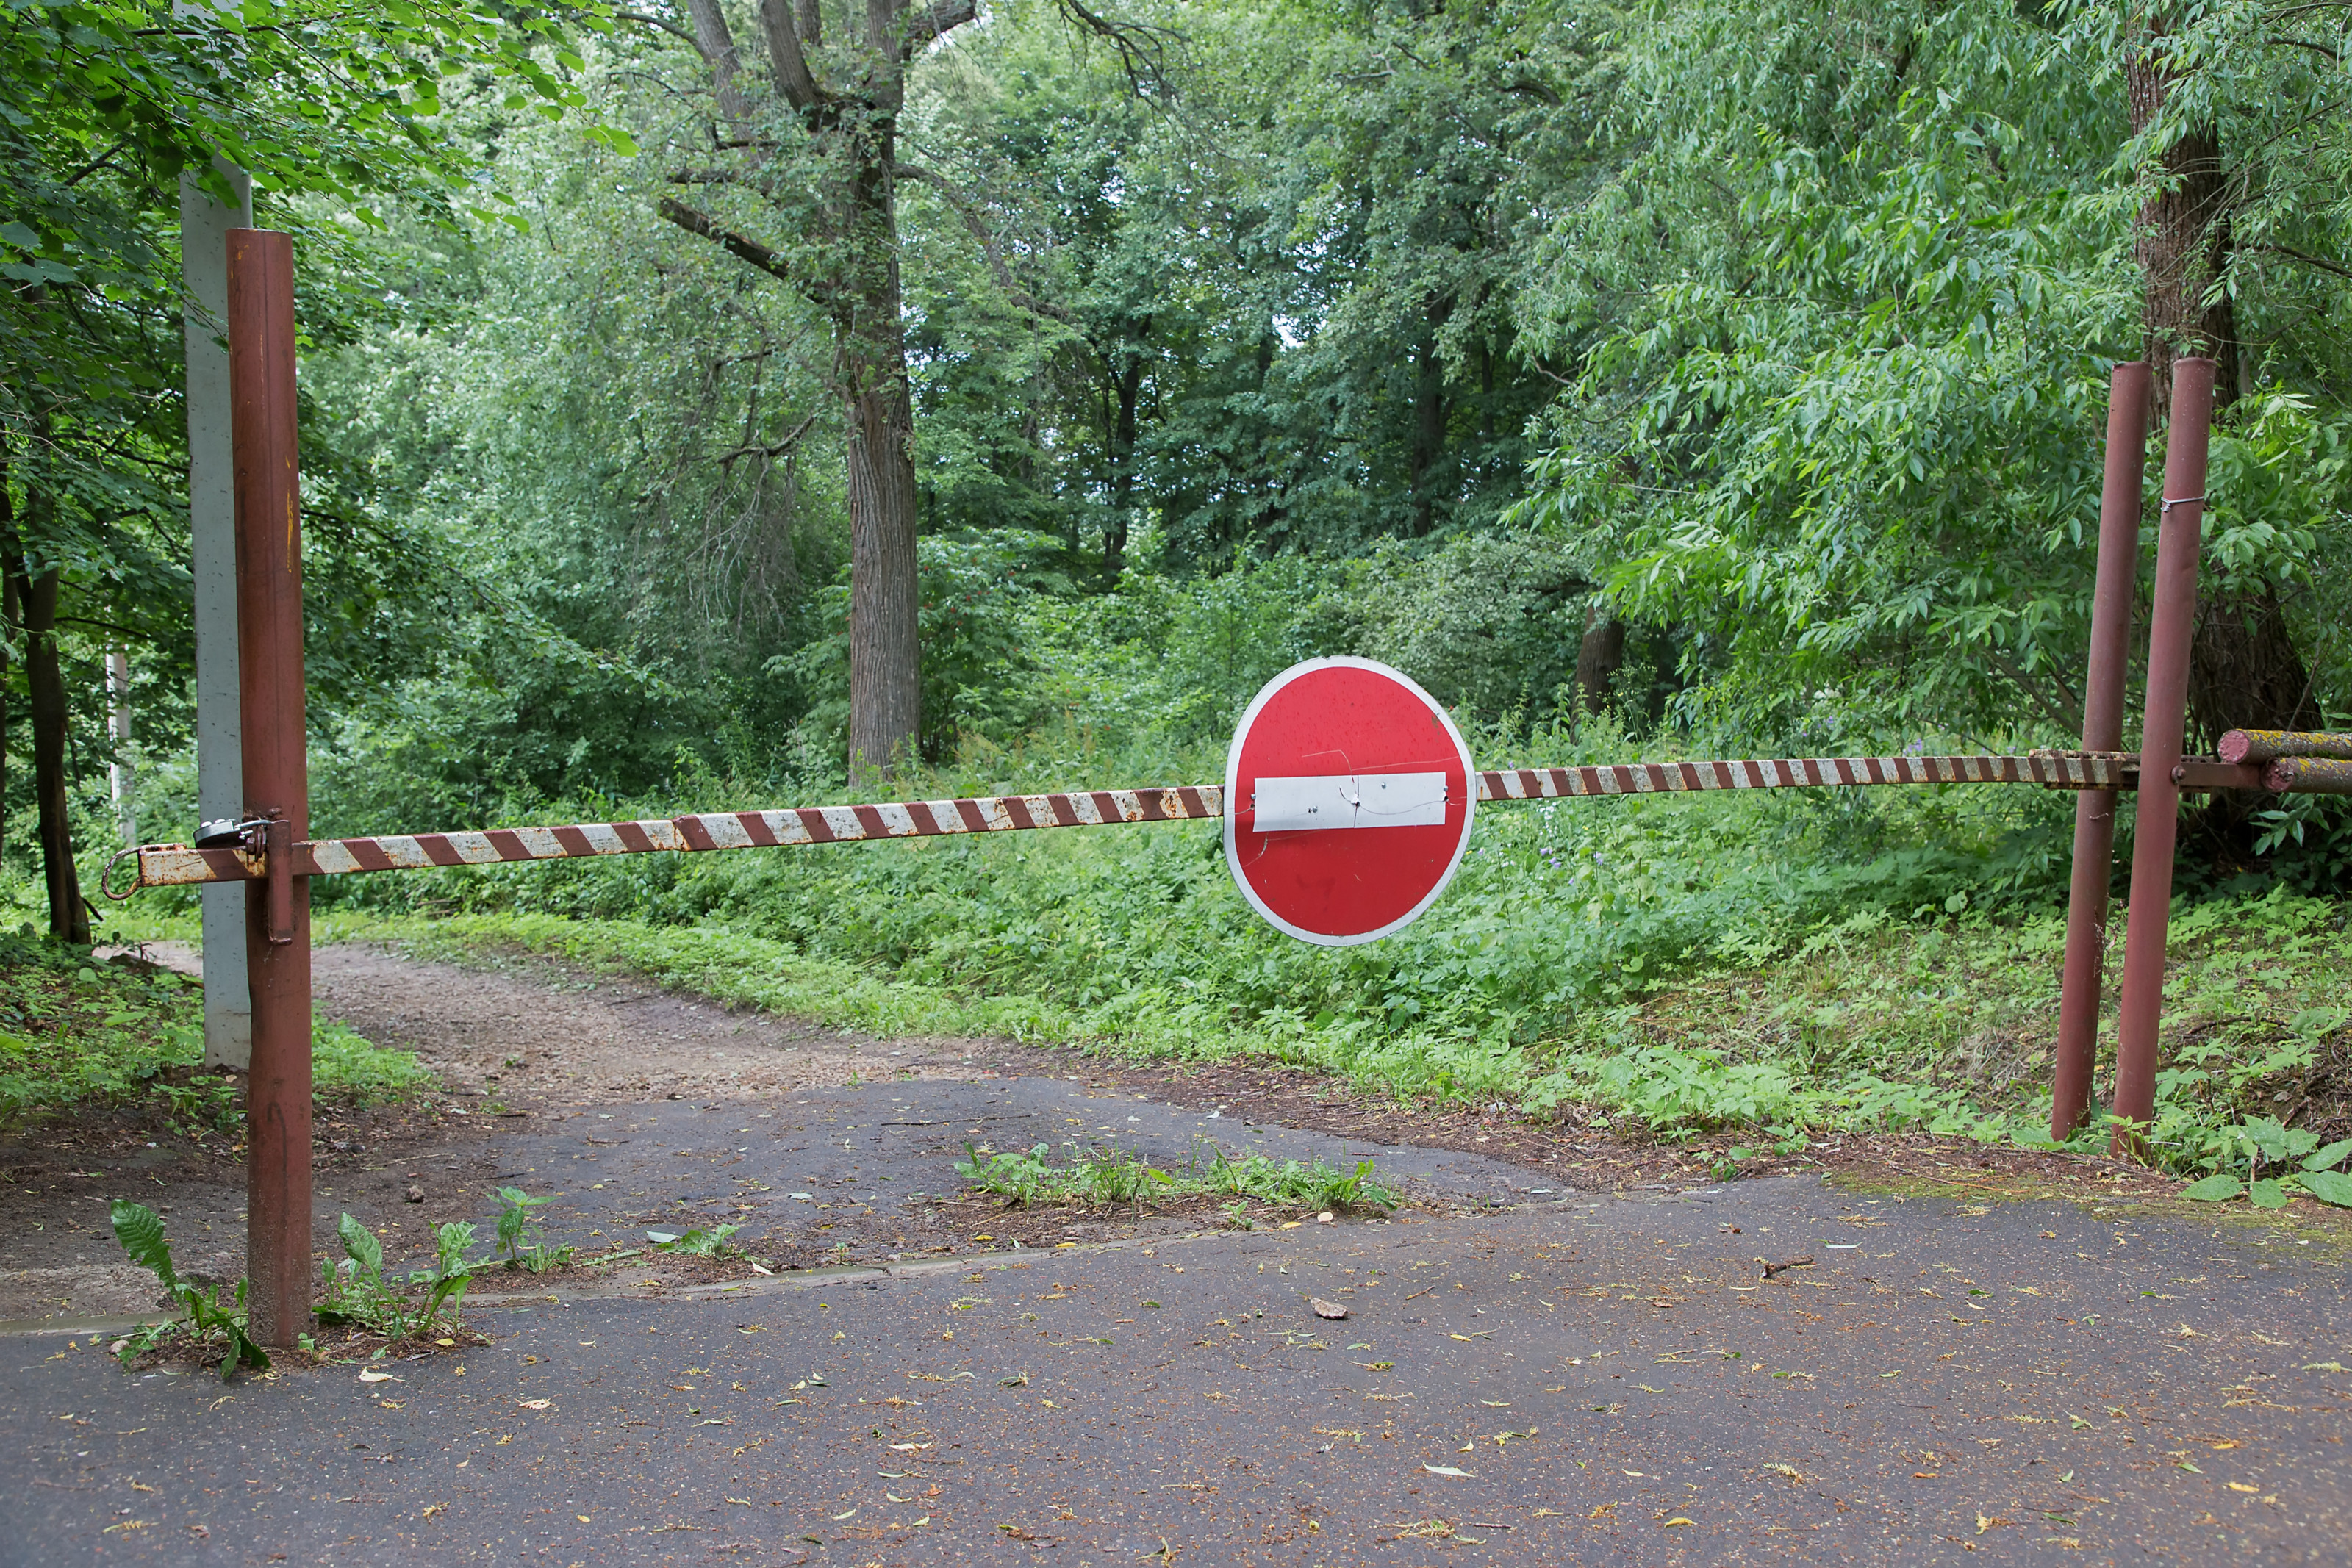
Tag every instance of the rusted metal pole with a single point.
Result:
(2311, 775)
(2268, 745)
(277, 779)
(2103, 730)
(2163, 725)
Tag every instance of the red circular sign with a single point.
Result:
(1349, 796)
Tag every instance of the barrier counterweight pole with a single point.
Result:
(277, 779)
(2103, 730)
(2156, 827)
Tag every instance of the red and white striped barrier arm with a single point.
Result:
(175, 864)
(2054, 769)
(166, 866)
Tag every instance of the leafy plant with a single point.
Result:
(356, 1290)
(209, 1320)
(520, 1239)
(696, 1243)
(1019, 1178)
(2264, 1139)
(1113, 1176)
(74, 1032)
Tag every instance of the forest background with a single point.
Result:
(1653, 379)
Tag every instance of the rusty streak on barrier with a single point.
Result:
(166, 866)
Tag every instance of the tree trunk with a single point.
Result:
(35, 599)
(886, 687)
(2244, 669)
(1129, 387)
(9, 623)
(1598, 657)
(1428, 441)
(68, 915)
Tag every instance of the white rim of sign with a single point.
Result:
(1234, 798)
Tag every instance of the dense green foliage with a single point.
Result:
(1451, 333)
(75, 1032)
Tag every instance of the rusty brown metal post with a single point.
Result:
(2163, 726)
(277, 779)
(2103, 730)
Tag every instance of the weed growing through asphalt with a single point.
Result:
(697, 1242)
(521, 1243)
(358, 1292)
(1113, 1176)
(210, 1323)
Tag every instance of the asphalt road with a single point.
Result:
(1572, 1379)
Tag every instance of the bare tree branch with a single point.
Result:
(741, 248)
(786, 63)
(934, 22)
(665, 23)
(2307, 259)
(755, 449)
(2033, 690)
(1142, 50)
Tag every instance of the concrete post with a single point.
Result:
(211, 526)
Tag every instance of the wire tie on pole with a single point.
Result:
(2173, 501)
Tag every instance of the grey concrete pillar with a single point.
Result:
(212, 525)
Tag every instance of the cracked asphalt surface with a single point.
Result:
(1522, 1377)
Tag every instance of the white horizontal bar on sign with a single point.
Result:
(1351, 801)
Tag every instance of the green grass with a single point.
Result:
(1108, 1176)
(76, 1034)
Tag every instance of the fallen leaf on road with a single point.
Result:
(2241, 1485)
(534, 1404)
(1985, 1522)
(1677, 1519)
(1448, 1470)
(369, 1375)
(1016, 1532)
(1324, 1309)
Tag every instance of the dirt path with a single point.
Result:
(523, 1031)
(526, 1031)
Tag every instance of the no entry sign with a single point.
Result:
(1348, 801)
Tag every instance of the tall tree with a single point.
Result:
(2245, 669)
(830, 116)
